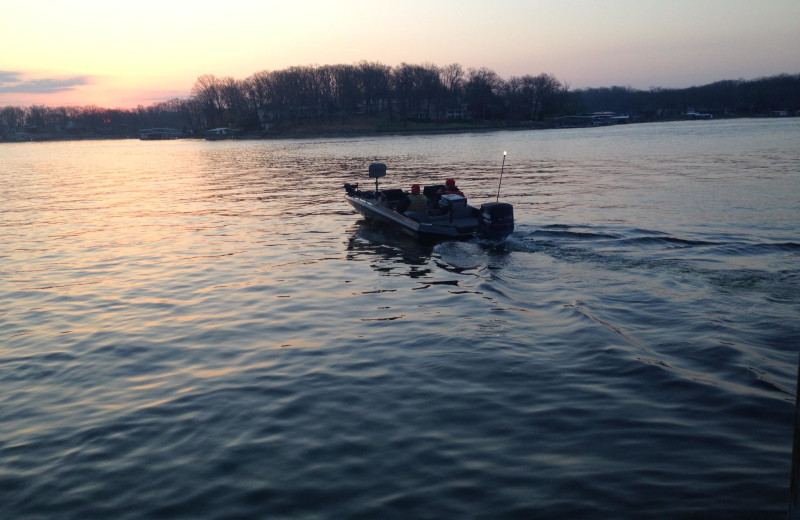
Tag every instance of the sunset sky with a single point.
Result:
(124, 54)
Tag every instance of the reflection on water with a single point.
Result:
(390, 255)
(206, 329)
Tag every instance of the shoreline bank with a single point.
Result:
(320, 131)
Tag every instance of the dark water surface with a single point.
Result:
(198, 329)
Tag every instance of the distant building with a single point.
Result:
(692, 114)
(593, 119)
(462, 112)
(220, 133)
(158, 134)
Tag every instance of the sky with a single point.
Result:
(123, 54)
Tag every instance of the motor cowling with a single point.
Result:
(497, 220)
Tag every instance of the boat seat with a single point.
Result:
(393, 195)
(432, 194)
(431, 191)
(392, 198)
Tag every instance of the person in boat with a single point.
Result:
(417, 201)
(450, 188)
(413, 202)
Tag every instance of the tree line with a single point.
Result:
(732, 98)
(409, 94)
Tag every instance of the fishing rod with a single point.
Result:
(501, 176)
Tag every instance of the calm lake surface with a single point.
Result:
(207, 330)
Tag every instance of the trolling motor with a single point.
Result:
(351, 189)
(376, 171)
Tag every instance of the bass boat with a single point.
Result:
(448, 217)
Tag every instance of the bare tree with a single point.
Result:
(544, 87)
(36, 118)
(375, 79)
(482, 90)
(402, 81)
(234, 101)
(207, 91)
(324, 91)
(452, 78)
(349, 90)
(517, 98)
(416, 89)
(13, 118)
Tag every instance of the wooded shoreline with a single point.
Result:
(373, 99)
(343, 131)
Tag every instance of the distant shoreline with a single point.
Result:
(322, 131)
(310, 131)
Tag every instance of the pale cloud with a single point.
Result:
(17, 82)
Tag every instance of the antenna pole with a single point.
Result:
(501, 176)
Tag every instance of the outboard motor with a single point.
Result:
(497, 220)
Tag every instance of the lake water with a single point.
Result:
(207, 330)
